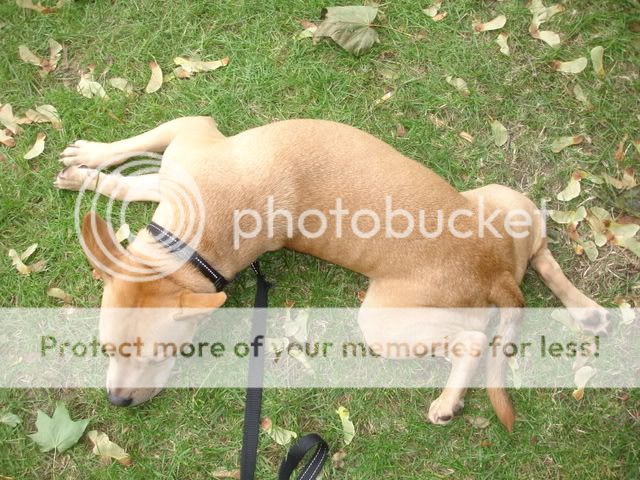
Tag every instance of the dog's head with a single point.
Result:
(140, 320)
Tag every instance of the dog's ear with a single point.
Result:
(99, 244)
(202, 300)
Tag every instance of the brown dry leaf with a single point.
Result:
(598, 228)
(6, 139)
(107, 450)
(361, 295)
(28, 56)
(597, 60)
(459, 84)
(495, 24)
(502, 43)
(401, 131)
(29, 5)
(619, 155)
(37, 148)
(542, 14)
(188, 66)
(478, 422)
(155, 82)
(547, 36)
(574, 66)
(121, 84)
(60, 295)
(440, 16)
(563, 142)
(123, 233)
(467, 136)
(88, 87)
(42, 114)
(8, 120)
(337, 459)
(55, 52)
(582, 97)
(226, 474)
(18, 260)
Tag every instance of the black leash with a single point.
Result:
(253, 403)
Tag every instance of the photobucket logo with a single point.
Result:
(391, 222)
(175, 186)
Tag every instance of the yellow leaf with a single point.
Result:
(28, 56)
(43, 114)
(547, 36)
(432, 11)
(121, 84)
(195, 66)
(467, 136)
(106, 449)
(597, 60)
(459, 85)
(155, 82)
(563, 142)
(500, 134)
(385, 97)
(8, 120)
(502, 42)
(226, 474)
(348, 429)
(60, 295)
(89, 88)
(37, 148)
(440, 16)
(574, 66)
(569, 217)
(494, 24)
(571, 191)
(582, 97)
(18, 259)
(123, 233)
(277, 434)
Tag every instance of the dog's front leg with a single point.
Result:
(465, 352)
(136, 188)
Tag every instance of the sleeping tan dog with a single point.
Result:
(304, 166)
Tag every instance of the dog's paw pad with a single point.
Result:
(443, 410)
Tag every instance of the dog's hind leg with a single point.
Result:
(591, 316)
(104, 155)
(135, 188)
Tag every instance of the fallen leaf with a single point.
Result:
(563, 142)
(58, 432)
(574, 66)
(627, 313)
(187, 66)
(478, 422)
(277, 434)
(348, 429)
(121, 84)
(42, 114)
(440, 16)
(547, 36)
(629, 202)
(226, 474)
(581, 378)
(37, 148)
(502, 43)
(296, 327)
(541, 14)
(9, 120)
(18, 259)
(60, 295)
(123, 233)
(597, 60)
(569, 217)
(619, 155)
(432, 11)
(350, 27)
(309, 29)
(494, 24)
(598, 228)
(385, 97)
(623, 236)
(28, 56)
(582, 97)
(88, 87)
(107, 450)
(572, 190)
(401, 131)
(8, 418)
(459, 84)
(590, 249)
(6, 139)
(155, 82)
(29, 5)
(500, 134)
(467, 136)
(337, 459)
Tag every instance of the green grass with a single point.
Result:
(188, 434)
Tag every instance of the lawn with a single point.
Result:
(272, 76)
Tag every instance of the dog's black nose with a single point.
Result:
(119, 401)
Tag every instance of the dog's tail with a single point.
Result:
(507, 296)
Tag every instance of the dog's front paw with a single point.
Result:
(91, 154)
(73, 178)
(442, 410)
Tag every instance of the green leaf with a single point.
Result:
(58, 432)
(278, 434)
(500, 134)
(349, 27)
(10, 419)
(348, 429)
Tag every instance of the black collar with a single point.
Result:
(181, 249)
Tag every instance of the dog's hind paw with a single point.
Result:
(442, 410)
